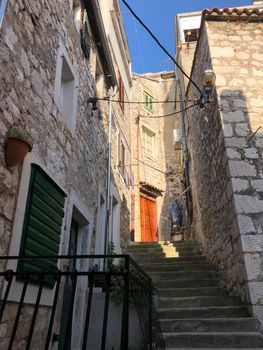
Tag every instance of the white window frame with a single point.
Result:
(15, 292)
(70, 119)
(147, 133)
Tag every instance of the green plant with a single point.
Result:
(117, 282)
(18, 132)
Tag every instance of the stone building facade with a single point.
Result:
(225, 150)
(121, 173)
(156, 162)
(54, 56)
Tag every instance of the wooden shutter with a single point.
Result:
(121, 93)
(42, 223)
(85, 37)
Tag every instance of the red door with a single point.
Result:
(149, 229)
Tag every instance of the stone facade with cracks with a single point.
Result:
(71, 149)
(226, 155)
(160, 164)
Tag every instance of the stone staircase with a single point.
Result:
(194, 312)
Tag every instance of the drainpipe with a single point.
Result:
(182, 123)
(109, 174)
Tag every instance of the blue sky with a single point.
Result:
(159, 15)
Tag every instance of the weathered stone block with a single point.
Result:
(246, 224)
(247, 204)
(252, 243)
(257, 185)
(241, 168)
(222, 52)
(239, 184)
(234, 117)
(237, 142)
(252, 261)
(10, 38)
(256, 102)
(242, 129)
(228, 130)
(25, 62)
(232, 154)
(37, 82)
(251, 153)
(257, 72)
(242, 55)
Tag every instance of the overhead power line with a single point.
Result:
(160, 45)
(170, 114)
(140, 102)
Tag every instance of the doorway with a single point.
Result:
(67, 306)
(148, 214)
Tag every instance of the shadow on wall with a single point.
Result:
(243, 133)
(173, 164)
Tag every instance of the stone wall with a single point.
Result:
(226, 169)
(162, 170)
(237, 58)
(77, 160)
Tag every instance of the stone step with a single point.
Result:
(206, 301)
(154, 255)
(170, 253)
(144, 258)
(239, 340)
(154, 244)
(185, 250)
(203, 312)
(247, 324)
(183, 267)
(187, 283)
(188, 292)
(182, 275)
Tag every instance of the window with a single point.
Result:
(66, 89)
(148, 102)
(121, 156)
(85, 34)
(121, 93)
(76, 11)
(148, 141)
(42, 223)
(191, 35)
(2, 10)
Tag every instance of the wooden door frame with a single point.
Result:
(153, 200)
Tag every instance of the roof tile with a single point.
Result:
(235, 12)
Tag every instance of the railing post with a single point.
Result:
(150, 313)
(125, 310)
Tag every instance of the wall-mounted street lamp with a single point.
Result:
(208, 81)
(93, 101)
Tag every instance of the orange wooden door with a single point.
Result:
(149, 229)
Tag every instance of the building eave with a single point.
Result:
(100, 37)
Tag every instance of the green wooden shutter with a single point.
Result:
(85, 37)
(42, 223)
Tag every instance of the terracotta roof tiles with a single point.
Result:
(234, 13)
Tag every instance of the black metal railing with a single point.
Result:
(71, 292)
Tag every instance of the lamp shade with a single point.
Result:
(208, 78)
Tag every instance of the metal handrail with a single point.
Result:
(133, 277)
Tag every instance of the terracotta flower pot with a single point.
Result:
(15, 150)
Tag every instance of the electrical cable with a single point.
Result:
(140, 102)
(161, 46)
(168, 115)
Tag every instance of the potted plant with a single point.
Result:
(18, 144)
